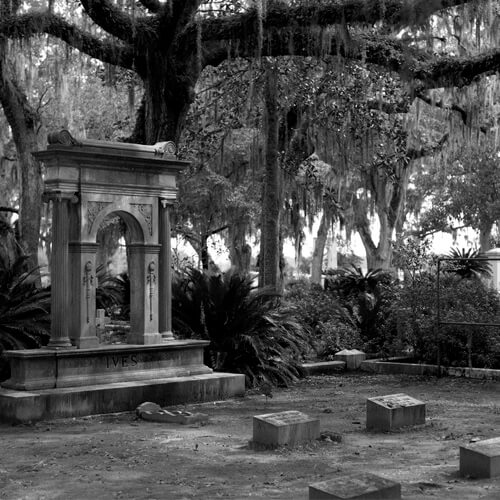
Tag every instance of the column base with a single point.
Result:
(59, 344)
(167, 336)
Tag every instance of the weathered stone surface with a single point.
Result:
(147, 407)
(174, 417)
(385, 413)
(481, 459)
(362, 486)
(36, 368)
(352, 357)
(285, 428)
(24, 406)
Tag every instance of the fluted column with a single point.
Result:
(165, 273)
(59, 338)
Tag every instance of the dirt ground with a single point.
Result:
(118, 456)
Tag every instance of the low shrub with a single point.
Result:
(332, 327)
(461, 300)
(250, 331)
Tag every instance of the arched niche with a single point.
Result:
(86, 181)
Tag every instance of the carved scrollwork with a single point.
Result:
(62, 137)
(146, 210)
(93, 210)
(165, 149)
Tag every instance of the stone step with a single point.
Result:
(48, 404)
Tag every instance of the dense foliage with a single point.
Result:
(24, 309)
(250, 331)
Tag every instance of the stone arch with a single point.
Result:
(87, 181)
(136, 227)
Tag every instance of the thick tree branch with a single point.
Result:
(455, 72)
(281, 16)
(453, 107)
(113, 20)
(45, 22)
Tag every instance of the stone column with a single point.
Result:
(143, 271)
(82, 328)
(165, 274)
(60, 312)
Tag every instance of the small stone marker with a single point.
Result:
(385, 413)
(101, 321)
(155, 413)
(481, 459)
(362, 486)
(352, 358)
(285, 428)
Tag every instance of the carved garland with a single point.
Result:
(151, 280)
(88, 281)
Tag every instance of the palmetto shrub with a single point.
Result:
(466, 264)
(365, 297)
(24, 309)
(250, 331)
(113, 293)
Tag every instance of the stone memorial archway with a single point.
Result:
(86, 181)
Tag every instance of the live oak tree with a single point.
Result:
(167, 44)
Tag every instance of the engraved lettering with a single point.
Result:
(124, 361)
(133, 359)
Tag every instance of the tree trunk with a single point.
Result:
(269, 270)
(168, 93)
(319, 250)
(485, 236)
(24, 123)
(240, 252)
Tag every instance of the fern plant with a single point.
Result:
(467, 264)
(250, 331)
(24, 307)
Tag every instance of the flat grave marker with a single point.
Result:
(362, 486)
(386, 413)
(285, 428)
(481, 459)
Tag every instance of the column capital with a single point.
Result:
(61, 196)
(166, 203)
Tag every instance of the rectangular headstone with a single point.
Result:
(481, 459)
(352, 358)
(285, 428)
(385, 413)
(362, 486)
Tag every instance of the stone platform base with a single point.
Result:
(46, 404)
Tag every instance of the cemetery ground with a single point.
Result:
(119, 456)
